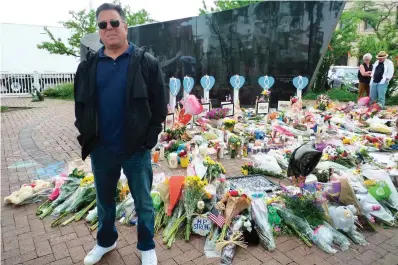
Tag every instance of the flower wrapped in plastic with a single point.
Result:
(338, 238)
(83, 196)
(259, 213)
(193, 193)
(233, 204)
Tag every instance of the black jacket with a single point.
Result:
(145, 97)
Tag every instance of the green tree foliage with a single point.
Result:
(383, 36)
(224, 5)
(341, 44)
(84, 22)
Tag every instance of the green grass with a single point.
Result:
(63, 91)
(341, 95)
(3, 108)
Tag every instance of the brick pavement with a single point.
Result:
(37, 142)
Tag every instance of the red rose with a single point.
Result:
(233, 193)
(244, 196)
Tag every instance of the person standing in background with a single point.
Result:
(120, 104)
(382, 73)
(364, 75)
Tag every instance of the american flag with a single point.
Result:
(216, 217)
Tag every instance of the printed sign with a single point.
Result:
(201, 225)
(283, 105)
(262, 107)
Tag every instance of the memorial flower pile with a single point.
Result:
(344, 156)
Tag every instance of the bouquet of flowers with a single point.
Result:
(338, 155)
(250, 169)
(174, 225)
(259, 214)
(216, 114)
(233, 203)
(229, 124)
(69, 186)
(307, 206)
(265, 95)
(214, 169)
(323, 102)
(81, 198)
(193, 193)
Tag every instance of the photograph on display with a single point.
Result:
(262, 107)
(283, 105)
(230, 107)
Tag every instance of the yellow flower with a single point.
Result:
(245, 172)
(369, 182)
(87, 180)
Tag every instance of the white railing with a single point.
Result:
(21, 84)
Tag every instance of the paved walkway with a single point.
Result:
(40, 141)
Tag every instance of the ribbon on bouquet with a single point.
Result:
(236, 239)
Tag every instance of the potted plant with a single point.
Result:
(229, 124)
(216, 116)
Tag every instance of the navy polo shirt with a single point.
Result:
(111, 84)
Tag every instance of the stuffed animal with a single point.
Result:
(20, 195)
(17, 197)
(344, 217)
(39, 185)
(367, 206)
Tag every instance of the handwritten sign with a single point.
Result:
(201, 225)
(283, 105)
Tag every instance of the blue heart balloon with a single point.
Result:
(266, 82)
(188, 84)
(237, 81)
(175, 85)
(300, 82)
(207, 82)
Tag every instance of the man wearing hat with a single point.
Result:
(382, 73)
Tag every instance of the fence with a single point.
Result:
(21, 84)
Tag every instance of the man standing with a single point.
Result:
(382, 73)
(120, 104)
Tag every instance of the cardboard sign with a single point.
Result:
(283, 105)
(201, 225)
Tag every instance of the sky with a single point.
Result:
(49, 12)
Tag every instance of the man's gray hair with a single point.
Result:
(109, 6)
(367, 56)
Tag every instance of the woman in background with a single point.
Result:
(364, 75)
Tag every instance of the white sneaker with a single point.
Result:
(96, 254)
(149, 257)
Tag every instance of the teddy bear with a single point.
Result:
(20, 195)
(367, 206)
(344, 217)
(26, 191)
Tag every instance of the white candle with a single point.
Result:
(161, 153)
(173, 161)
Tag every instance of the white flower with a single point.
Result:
(201, 205)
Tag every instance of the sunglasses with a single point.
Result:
(113, 23)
